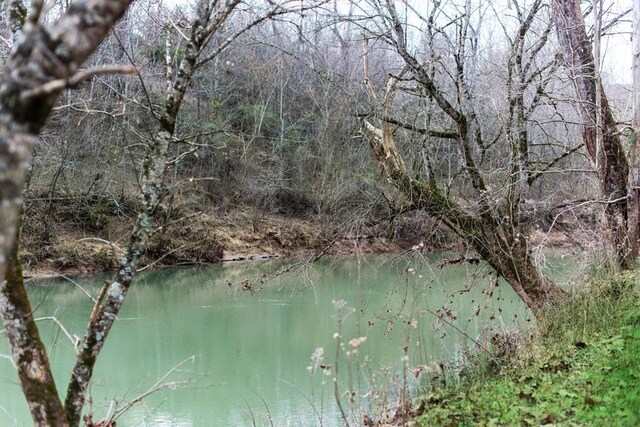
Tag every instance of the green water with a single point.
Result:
(252, 342)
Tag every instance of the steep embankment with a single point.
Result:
(87, 234)
(87, 239)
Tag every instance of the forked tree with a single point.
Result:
(43, 62)
(485, 208)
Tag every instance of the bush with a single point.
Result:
(286, 201)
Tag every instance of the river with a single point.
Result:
(234, 343)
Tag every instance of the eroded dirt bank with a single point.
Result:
(64, 239)
(207, 238)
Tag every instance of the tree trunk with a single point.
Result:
(607, 152)
(493, 232)
(207, 21)
(32, 362)
(508, 255)
(634, 177)
(512, 261)
(42, 62)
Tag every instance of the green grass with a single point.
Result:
(581, 367)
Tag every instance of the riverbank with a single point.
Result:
(64, 238)
(68, 245)
(581, 366)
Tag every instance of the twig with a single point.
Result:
(77, 285)
(553, 223)
(175, 27)
(480, 345)
(188, 245)
(8, 357)
(3, 409)
(313, 406)
(55, 86)
(248, 284)
(266, 407)
(250, 412)
(460, 260)
(74, 340)
(160, 384)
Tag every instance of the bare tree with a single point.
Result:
(600, 132)
(44, 62)
(490, 219)
(209, 18)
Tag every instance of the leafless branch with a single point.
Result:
(159, 385)
(73, 339)
(77, 285)
(55, 86)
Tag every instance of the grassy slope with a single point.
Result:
(581, 367)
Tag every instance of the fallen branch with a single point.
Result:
(461, 260)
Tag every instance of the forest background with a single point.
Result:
(270, 158)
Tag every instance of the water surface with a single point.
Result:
(242, 338)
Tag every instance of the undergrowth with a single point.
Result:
(581, 366)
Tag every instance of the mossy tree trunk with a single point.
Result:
(489, 221)
(42, 63)
(499, 245)
(32, 363)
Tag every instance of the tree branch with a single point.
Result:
(44, 53)
(56, 86)
(444, 134)
(551, 164)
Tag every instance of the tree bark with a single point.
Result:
(44, 55)
(634, 176)
(607, 155)
(504, 250)
(32, 362)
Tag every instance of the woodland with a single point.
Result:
(146, 134)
